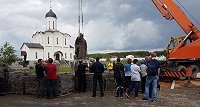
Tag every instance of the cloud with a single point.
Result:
(101, 34)
(141, 34)
(109, 25)
(138, 34)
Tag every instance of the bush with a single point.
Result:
(31, 67)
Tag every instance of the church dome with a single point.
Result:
(51, 14)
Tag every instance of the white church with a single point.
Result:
(50, 43)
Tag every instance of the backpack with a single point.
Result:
(120, 72)
(151, 68)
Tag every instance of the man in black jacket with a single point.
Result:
(40, 70)
(119, 76)
(81, 77)
(97, 68)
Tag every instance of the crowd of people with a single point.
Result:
(144, 76)
(129, 76)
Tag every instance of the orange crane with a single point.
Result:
(185, 51)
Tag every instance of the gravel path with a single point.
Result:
(179, 97)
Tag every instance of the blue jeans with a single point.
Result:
(120, 88)
(51, 84)
(149, 80)
(136, 85)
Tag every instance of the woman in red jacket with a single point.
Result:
(51, 78)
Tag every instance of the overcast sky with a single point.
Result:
(109, 25)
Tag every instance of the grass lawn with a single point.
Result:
(65, 69)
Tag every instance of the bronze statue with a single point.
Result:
(80, 47)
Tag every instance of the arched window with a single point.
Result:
(65, 55)
(36, 55)
(70, 55)
(46, 24)
(57, 40)
(48, 39)
(48, 55)
(53, 25)
(49, 24)
(65, 41)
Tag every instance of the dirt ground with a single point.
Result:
(165, 98)
(180, 96)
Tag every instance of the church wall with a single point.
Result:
(70, 55)
(66, 39)
(48, 52)
(58, 39)
(51, 23)
(53, 50)
(32, 54)
(54, 39)
(47, 39)
(53, 47)
(68, 51)
(24, 48)
(38, 37)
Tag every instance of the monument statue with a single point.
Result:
(80, 47)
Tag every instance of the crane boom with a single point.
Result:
(171, 11)
(183, 51)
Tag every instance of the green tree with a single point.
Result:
(7, 53)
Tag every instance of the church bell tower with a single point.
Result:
(51, 20)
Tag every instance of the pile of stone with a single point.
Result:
(4, 75)
(30, 84)
(89, 81)
(16, 82)
(109, 81)
(25, 83)
(65, 83)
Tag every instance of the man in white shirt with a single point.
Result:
(135, 79)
